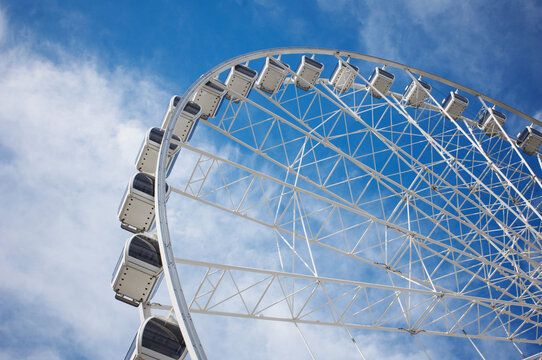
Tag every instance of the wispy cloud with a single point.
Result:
(38, 353)
(70, 132)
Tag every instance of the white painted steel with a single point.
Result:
(429, 196)
(389, 293)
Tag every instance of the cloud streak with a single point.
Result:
(70, 132)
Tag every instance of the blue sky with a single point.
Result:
(488, 46)
(81, 81)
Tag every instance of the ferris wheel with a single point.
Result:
(329, 188)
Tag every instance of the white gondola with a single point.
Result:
(487, 122)
(136, 211)
(171, 107)
(157, 339)
(529, 140)
(148, 155)
(454, 105)
(415, 94)
(240, 80)
(187, 121)
(343, 76)
(380, 80)
(272, 75)
(209, 97)
(138, 270)
(308, 71)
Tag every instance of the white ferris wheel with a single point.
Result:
(382, 197)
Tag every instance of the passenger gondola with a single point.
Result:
(209, 97)
(157, 339)
(380, 80)
(138, 269)
(488, 121)
(240, 80)
(415, 94)
(454, 105)
(529, 140)
(136, 211)
(343, 76)
(148, 155)
(272, 75)
(308, 71)
(187, 120)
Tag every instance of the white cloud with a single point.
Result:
(69, 136)
(43, 353)
(379, 40)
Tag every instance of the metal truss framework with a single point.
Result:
(356, 305)
(444, 218)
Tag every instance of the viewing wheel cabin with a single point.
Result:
(136, 211)
(209, 97)
(415, 94)
(529, 140)
(187, 121)
(157, 339)
(272, 75)
(308, 71)
(454, 105)
(138, 270)
(343, 76)
(380, 80)
(240, 80)
(488, 121)
(148, 155)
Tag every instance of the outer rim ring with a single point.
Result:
(178, 300)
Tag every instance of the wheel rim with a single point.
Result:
(438, 180)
